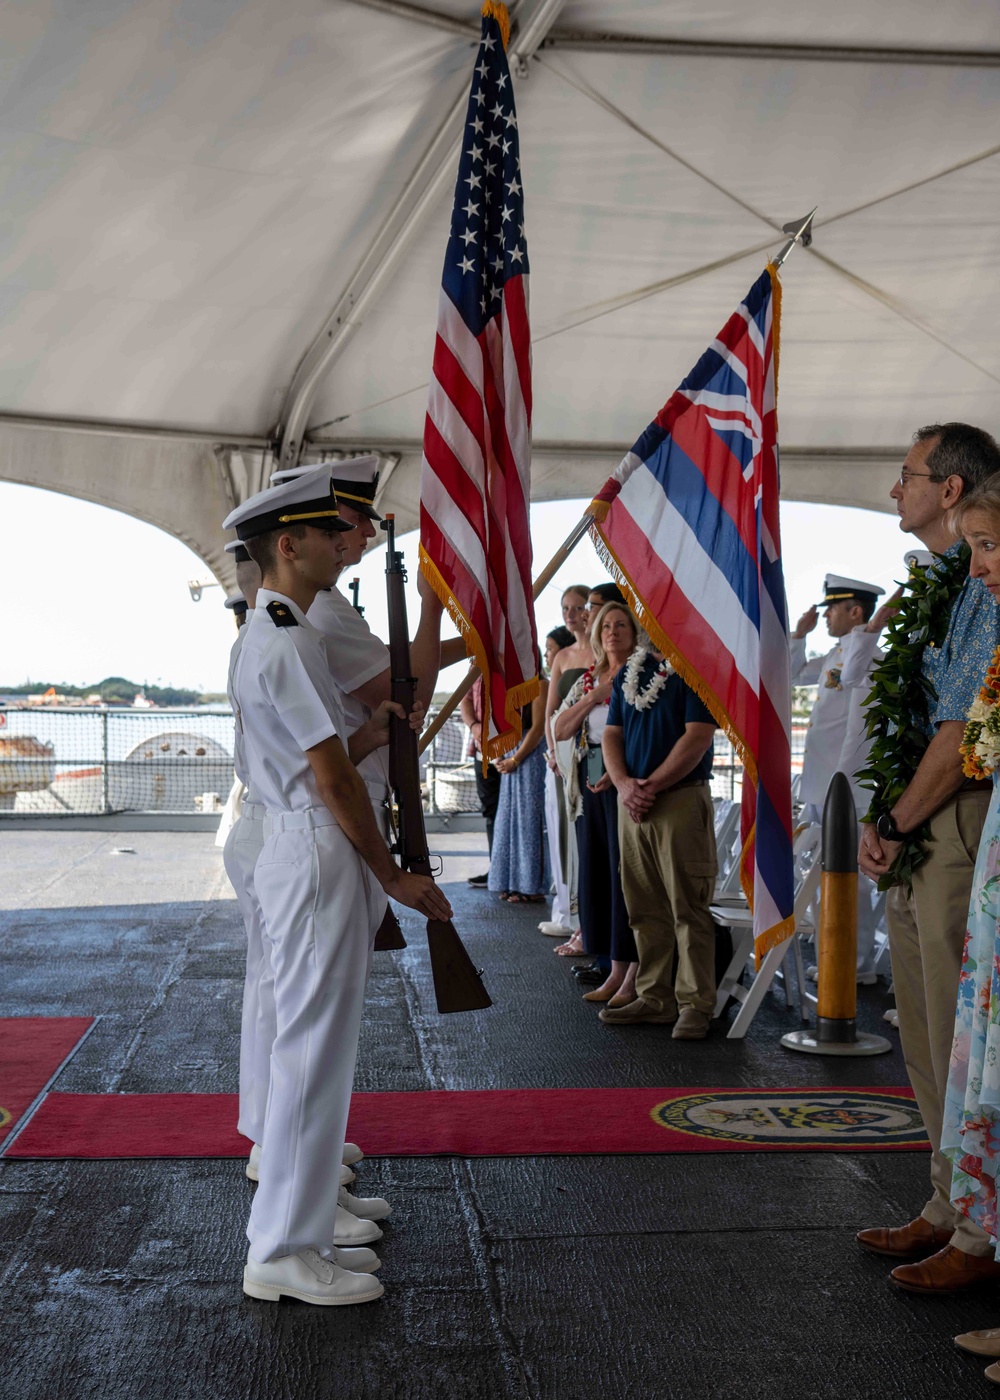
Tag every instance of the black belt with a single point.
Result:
(977, 785)
(688, 782)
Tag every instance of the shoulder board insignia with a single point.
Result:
(280, 615)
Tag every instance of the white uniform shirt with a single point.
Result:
(239, 747)
(354, 655)
(284, 704)
(836, 739)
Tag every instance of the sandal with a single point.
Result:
(572, 948)
(515, 898)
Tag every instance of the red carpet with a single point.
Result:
(497, 1123)
(32, 1050)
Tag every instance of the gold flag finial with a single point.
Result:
(494, 10)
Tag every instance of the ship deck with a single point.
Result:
(681, 1276)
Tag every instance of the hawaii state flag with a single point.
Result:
(689, 526)
(475, 544)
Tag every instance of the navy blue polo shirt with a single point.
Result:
(650, 734)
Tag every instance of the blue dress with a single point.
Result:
(970, 1135)
(520, 858)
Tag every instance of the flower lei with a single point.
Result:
(587, 681)
(644, 699)
(980, 747)
(897, 706)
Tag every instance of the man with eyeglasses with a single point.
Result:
(927, 922)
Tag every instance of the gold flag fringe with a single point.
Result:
(516, 697)
(493, 10)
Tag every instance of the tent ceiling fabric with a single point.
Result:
(189, 188)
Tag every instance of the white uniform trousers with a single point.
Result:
(243, 846)
(321, 910)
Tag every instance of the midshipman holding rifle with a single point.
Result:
(321, 881)
(358, 660)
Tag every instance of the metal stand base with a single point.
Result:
(809, 1044)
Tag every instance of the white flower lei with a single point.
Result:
(642, 700)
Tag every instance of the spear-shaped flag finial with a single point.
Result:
(799, 231)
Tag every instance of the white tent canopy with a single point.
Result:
(224, 227)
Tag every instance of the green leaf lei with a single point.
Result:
(897, 706)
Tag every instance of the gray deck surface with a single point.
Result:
(685, 1277)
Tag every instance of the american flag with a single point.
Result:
(475, 545)
(689, 524)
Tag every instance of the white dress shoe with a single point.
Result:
(253, 1168)
(310, 1278)
(552, 930)
(352, 1154)
(364, 1207)
(349, 1231)
(358, 1261)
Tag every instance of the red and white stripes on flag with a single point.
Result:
(475, 543)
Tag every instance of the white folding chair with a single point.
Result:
(806, 857)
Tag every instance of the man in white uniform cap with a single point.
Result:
(836, 740)
(319, 900)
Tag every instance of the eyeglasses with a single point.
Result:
(905, 476)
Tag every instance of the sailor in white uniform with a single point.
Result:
(243, 846)
(836, 740)
(316, 881)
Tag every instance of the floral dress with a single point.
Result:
(970, 1136)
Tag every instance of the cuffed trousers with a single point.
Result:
(321, 909)
(668, 869)
(926, 938)
(240, 854)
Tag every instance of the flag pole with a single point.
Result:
(542, 581)
(799, 231)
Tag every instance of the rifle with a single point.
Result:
(458, 986)
(355, 586)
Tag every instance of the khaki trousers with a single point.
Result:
(668, 870)
(926, 938)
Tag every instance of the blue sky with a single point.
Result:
(90, 592)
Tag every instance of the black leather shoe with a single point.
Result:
(585, 967)
(590, 976)
(479, 882)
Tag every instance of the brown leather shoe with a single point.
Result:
(913, 1241)
(949, 1271)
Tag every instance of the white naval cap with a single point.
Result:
(237, 548)
(354, 480)
(838, 589)
(237, 602)
(918, 558)
(307, 500)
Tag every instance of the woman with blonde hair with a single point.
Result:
(569, 664)
(603, 917)
(970, 1133)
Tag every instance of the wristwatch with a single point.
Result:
(888, 830)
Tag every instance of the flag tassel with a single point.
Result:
(494, 10)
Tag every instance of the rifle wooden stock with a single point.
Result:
(458, 986)
(390, 935)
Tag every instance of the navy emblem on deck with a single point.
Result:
(797, 1118)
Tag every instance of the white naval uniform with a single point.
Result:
(836, 742)
(355, 655)
(243, 847)
(321, 909)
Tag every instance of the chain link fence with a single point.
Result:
(57, 761)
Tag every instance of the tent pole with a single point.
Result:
(542, 581)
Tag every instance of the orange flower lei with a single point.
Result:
(972, 764)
